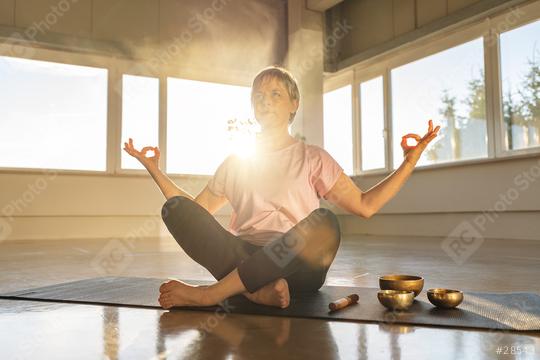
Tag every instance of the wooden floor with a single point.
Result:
(32, 329)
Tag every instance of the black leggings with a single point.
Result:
(302, 255)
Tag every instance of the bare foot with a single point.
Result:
(275, 293)
(179, 293)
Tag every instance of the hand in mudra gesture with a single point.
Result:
(412, 153)
(141, 155)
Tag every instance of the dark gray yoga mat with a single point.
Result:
(502, 311)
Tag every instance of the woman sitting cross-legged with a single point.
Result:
(279, 239)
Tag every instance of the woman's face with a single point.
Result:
(272, 104)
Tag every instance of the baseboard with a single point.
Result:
(508, 225)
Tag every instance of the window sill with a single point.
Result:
(531, 153)
(123, 173)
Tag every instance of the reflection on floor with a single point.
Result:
(35, 329)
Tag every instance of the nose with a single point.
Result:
(264, 102)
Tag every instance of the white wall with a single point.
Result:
(501, 199)
(52, 206)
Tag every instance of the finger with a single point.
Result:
(411, 135)
(156, 151)
(434, 131)
(404, 142)
(428, 139)
(405, 146)
(146, 149)
(430, 127)
(431, 132)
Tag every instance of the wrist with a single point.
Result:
(409, 162)
(151, 167)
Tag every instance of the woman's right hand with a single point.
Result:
(141, 155)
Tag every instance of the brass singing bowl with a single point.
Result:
(396, 299)
(445, 298)
(402, 282)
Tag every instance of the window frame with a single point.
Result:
(116, 67)
(337, 82)
(532, 14)
(489, 29)
(360, 77)
(162, 72)
(80, 59)
(223, 80)
(134, 68)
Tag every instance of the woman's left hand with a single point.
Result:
(412, 153)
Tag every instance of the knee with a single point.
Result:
(173, 205)
(324, 226)
(330, 217)
(320, 280)
(329, 220)
(314, 283)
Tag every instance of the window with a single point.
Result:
(447, 87)
(520, 85)
(53, 115)
(372, 124)
(337, 118)
(206, 122)
(140, 115)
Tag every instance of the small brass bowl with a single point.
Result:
(402, 282)
(445, 298)
(396, 299)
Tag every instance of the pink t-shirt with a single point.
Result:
(272, 191)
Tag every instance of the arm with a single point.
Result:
(210, 201)
(165, 184)
(376, 197)
(206, 198)
(349, 197)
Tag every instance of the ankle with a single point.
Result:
(212, 295)
(208, 297)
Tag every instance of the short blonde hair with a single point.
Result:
(283, 75)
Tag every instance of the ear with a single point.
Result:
(295, 103)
